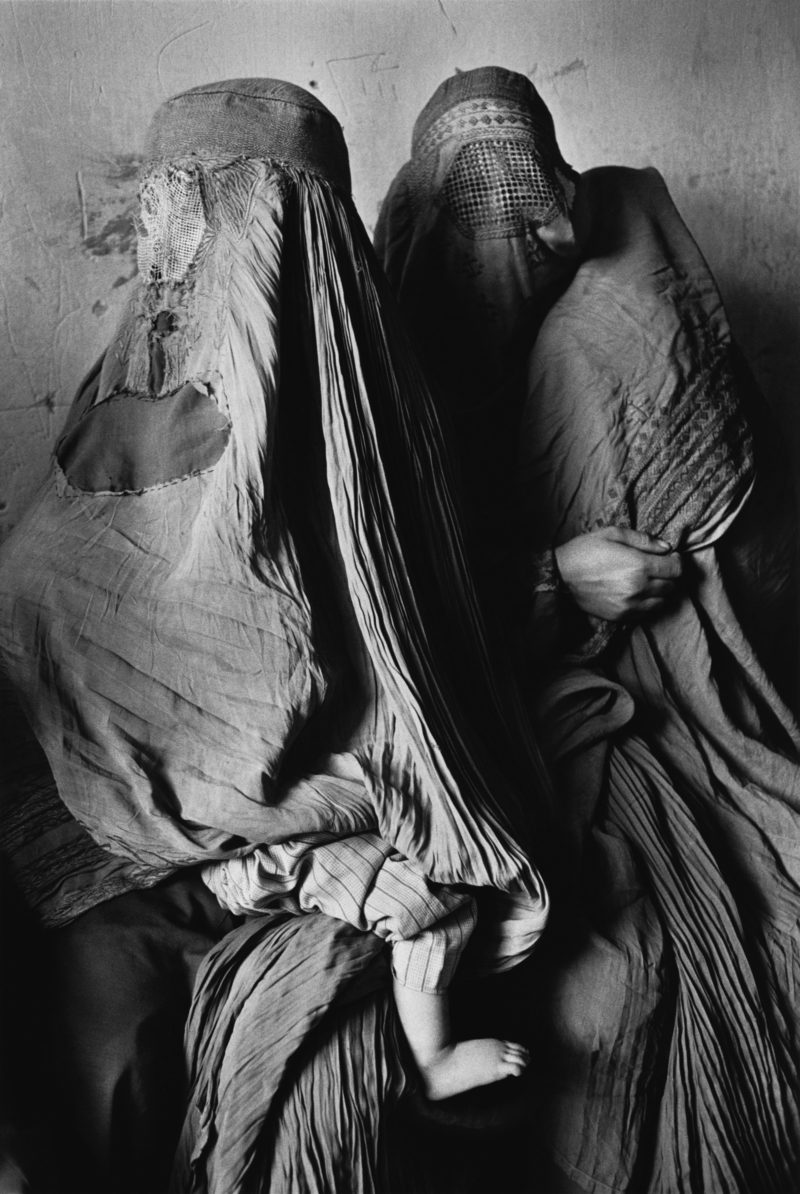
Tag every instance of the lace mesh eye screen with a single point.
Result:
(171, 224)
(500, 186)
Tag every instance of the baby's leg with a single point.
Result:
(423, 967)
(449, 1067)
(362, 880)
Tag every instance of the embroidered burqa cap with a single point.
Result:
(485, 174)
(246, 555)
(508, 171)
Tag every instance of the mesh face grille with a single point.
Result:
(500, 186)
(171, 224)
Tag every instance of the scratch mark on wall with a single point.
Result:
(446, 16)
(124, 167)
(171, 42)
(32, 76)
(693, 180)
(16, 352)
(376, 67)
(62, 319)
(703, 60)
(570, 68)
(82, 205)
(20, 46)
(44, 241)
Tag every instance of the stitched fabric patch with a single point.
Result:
(133, 442)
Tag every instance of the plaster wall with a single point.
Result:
(708, 91)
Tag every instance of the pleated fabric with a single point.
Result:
(727, 1116)
(352, 1080)
(261, 995)
(56, 867)
(246, 552)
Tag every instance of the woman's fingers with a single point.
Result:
(638, 539)
(647, 605)
(657, 588)
(610, 576)
(559, 236)
(665, 567)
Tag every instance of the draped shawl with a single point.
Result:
(670, 1041)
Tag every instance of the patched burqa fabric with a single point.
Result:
(669, 1023)
(246, 558)
(256, 429)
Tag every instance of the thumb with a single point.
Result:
(638, 539)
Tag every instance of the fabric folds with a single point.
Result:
(669, 1033)
(176, 671)
(262, 999)
(245, 562)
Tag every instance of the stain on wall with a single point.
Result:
(706, 90)
(108, 206)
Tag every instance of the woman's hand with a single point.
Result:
(618, 574)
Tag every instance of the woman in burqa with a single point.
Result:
(632, 530)
(238, 614)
